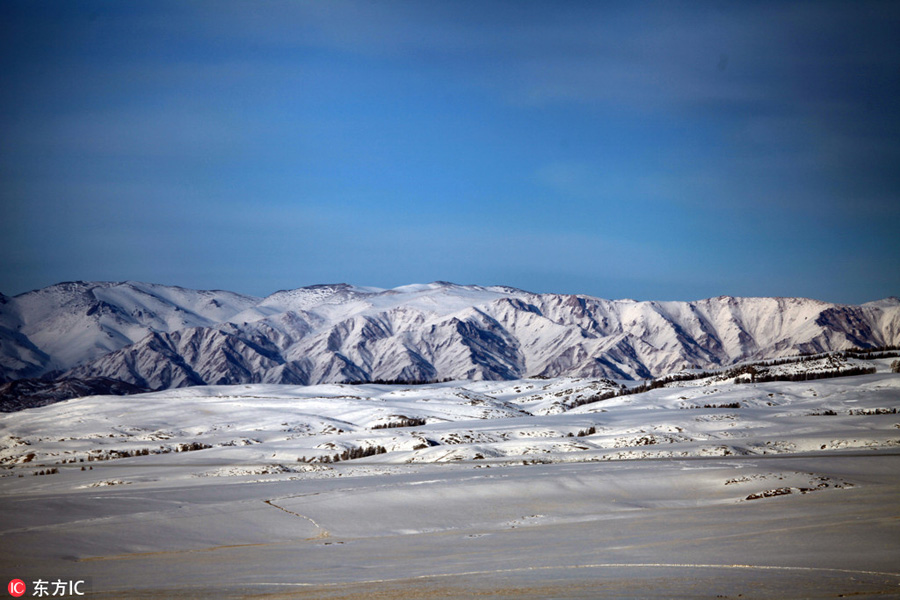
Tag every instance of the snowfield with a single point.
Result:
(530, 488)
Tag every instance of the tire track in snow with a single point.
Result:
(323, 533)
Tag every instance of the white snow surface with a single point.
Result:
(523, 418)
(512, 489)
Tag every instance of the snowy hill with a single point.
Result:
(306, 488)
(558, 419)
(160, 337)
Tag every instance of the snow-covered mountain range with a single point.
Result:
(157, 337)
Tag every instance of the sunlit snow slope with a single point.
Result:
(296, 427)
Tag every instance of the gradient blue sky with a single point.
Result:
(661, 151)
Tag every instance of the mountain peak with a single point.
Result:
(888, 302)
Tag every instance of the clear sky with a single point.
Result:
(661, 151)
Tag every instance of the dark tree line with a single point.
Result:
(872, 353)
(400, 381)
(402, 422)
(350, 454)
(811, 375)
(753, 370)
(722, 405)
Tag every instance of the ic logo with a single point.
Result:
(16, 588)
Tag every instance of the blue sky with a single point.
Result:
(665, 151)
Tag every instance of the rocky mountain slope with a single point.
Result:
(156, 337)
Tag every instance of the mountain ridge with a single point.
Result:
(155, 336)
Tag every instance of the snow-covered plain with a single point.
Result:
(508, 489)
